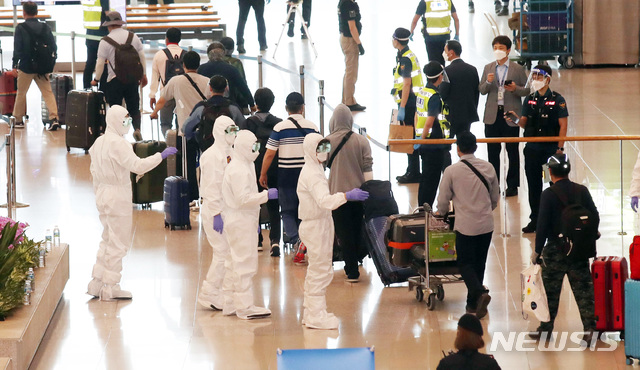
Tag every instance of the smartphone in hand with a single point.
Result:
(512, 116)
(507, 82)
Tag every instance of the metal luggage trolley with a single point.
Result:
(546, 31)
(440, 265)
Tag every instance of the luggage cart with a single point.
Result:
(545, 32)
(437, 271)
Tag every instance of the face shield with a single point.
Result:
(537, 79)
(445, 78)
(323, 149)
(230, 134)
(126, 123)
(255, 148)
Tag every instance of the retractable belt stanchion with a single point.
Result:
(621, 232)
(321, 104)
(503, 188)
(73, 60)
(10, 209)
(302, 84)
(260, 84)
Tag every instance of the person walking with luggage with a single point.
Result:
(167, 63)
(258, 8)
(94, 14)
(351, 165)
(468, 342)
(122, 50)
(553, 248)
(431, 123)
(262, 124)
(544, 113)
(317, 230)
(186, 91)
(217, 288)
(286, 141)
(407, 78)
(461, 92)
(436, 25)
(350, 31)
(34, 55)
(112, 161)
(240, 217)
(473, 187)
(503, 81)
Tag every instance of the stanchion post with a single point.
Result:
(302, 82)
(260, 84)
(621, 232)
(73, 59)
(10, 173)
(321, 104)
(503, 188)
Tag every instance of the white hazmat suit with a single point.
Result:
(241, 216)
(316, 232)
(217, 288)
(112, 161)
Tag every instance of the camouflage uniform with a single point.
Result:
(555, 265)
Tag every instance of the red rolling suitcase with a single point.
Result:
(609, 275)
(8, 92)
(634, 258)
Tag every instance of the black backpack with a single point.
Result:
(579, 227)
(43, 55)
(381, 201)
(173, 67)
(128, 68)
(204, 132)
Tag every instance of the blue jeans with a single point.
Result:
(288, 199)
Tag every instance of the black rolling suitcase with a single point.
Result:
(150, 187)
(85, 118)
(176, 197)
(60, 85)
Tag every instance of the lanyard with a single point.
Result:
(504, 76)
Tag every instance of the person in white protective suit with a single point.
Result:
(112, 161)
(240, 215)
(217, 288)
(317, 231)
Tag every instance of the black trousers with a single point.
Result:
(347, 220)
(258, 9)
(115, 91)
(472, 260)
(193, 152)
(413, 159)
(306, 15)
(458, 127)
(534, 158)
(90, 66)
(435, 47)
(432, 166)
(501, 129)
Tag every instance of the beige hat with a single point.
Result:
(113, 19)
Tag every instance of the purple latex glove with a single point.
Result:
(273, 193)
(357, 195)
(634, 204)
(169, 151)
(218, 225)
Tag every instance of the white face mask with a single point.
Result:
(322, 156)
(499, 54)
(445, 56)
(537, 85)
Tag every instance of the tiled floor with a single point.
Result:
(164, 328)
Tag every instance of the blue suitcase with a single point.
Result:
(176, 203)
(632, 320)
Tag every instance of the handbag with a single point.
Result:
(534, 297)
(398, 131)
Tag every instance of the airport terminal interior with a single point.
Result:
(163, 326)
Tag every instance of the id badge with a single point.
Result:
(501, 93)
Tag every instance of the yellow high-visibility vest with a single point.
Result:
(416, 77)
(437, 18)
(92, 12)
(422, 107)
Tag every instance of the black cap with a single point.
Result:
(466, 142)
(432, 69)
(294, 99)
(402, 34)
(228, 43)
(471, 323)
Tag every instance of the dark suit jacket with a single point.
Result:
(461, 94)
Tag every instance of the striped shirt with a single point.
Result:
(287, 139)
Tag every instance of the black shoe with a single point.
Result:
(241, 49)
(263, 47)
(408, 178)
(304, 36)
(54, 125)
(353, 277)
(511, 192)
(530, 228)
(472, 8)
(497, 6)
(275, 251)
(483, 302)
(290, 32)
(540, 334)
(19, 125)
(504, 11)
(356, 107)
(470, 310)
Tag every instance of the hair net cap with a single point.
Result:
(401, 34)
(433, 69)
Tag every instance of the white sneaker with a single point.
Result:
(328, 322)
(253, 312)
(111, 292)
(260, 248)
(94, 288)
(209, 301)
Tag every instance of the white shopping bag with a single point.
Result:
(534, 298)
